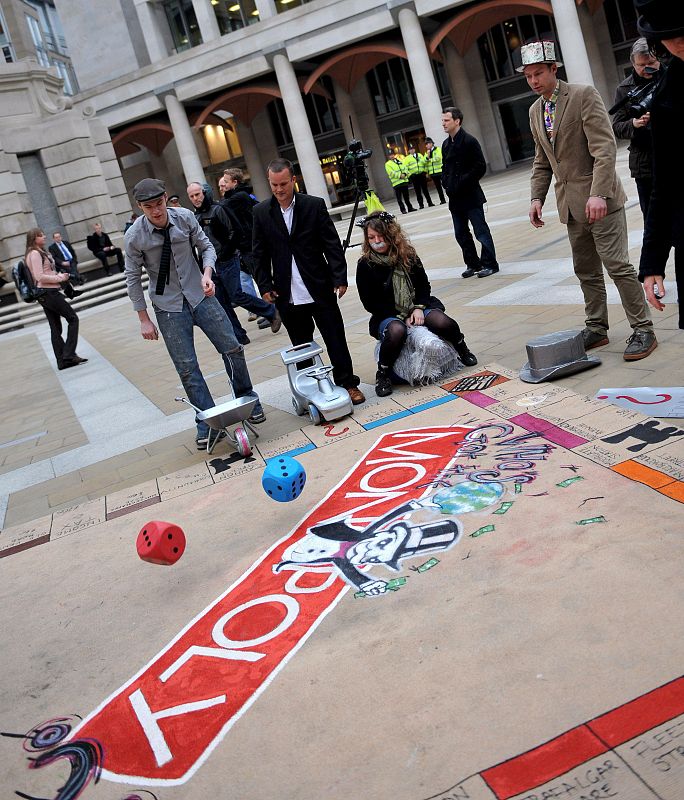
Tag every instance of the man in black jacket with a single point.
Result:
(100, 245)
(222, 229)
(463, 166)
(662, 23)
(300, 266)
(65, 257)
(645, 67)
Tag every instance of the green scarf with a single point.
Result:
(404, 293)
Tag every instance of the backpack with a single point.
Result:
(26, 286)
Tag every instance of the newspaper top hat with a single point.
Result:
(555, 355)
(540, 52)
(660, 19)
(421, 539)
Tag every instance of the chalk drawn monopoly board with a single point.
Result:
(477, 596)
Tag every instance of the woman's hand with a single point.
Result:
(416, 317)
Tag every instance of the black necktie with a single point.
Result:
(164, 261)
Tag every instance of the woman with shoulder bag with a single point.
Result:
(46, 277)
(393, 286)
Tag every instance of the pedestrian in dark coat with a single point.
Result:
(637, 129)
(463, 166)
(300, 266)
(662, 23)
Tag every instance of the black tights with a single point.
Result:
(395, 335)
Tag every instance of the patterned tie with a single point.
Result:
(549, 117)
(65, 252)
(164, 261)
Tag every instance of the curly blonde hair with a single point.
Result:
(400, 248)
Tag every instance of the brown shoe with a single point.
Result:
(640, 344)
(276, 322)
(356, 395)
(593, 339)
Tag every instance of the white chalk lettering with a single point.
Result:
(148, 721)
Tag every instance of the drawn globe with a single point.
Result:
(468, 496)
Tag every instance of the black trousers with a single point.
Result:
(104, 255)
(644, 188)
(437, 180)
(402, 195)
(56, 308)
(299, 323)
(419, 182)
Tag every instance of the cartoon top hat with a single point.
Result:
(555, 355)
(660, 19)
(427, 538)
(540, 52)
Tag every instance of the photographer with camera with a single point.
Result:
(662, 23)
(631, 120)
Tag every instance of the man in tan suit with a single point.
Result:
(574, 143)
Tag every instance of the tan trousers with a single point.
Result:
(605, 242)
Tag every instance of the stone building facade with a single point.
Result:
(186, 88)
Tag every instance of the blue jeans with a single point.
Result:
(247, 284)
(476, 217)
(177, 330)
(229, 275)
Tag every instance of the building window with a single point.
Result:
(391, 86)
(50, 26)
(278, 117)
(66, 73)
(38, 43)
(286, 5)
(232, 15)
(5, 43)
(183, 24)
(622, 21)
(500, 46)
(321, 112)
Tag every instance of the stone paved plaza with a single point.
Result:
(102, 429)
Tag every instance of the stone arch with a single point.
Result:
(244, 102)
(348, 66)
(464, 28)
(152, 135)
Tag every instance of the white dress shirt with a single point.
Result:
(299, 294)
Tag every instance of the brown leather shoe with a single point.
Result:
(356, 395)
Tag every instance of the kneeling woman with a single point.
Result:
(394, 288)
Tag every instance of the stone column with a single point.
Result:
(575, 56)
(490, 135)
(462, 93)
(597, 39)
(346, 111)
(253, 160)
(206, 19)
(368, 132)
(182, 133)
(429, 103)
(154, 39)
(266, 8)
(303, 140)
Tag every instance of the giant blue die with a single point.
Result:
(283, 478)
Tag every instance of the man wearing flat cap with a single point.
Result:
(182, 296)
(574, 144)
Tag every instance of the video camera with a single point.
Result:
(353, 166)
(640, 99)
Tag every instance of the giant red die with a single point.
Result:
(160, 542)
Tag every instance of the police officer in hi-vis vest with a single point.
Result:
(396, 172)
(413, 164)
(432, 159)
